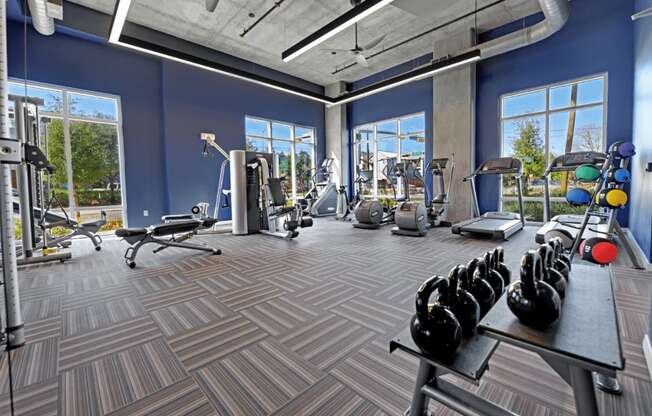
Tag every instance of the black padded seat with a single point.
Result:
(175, 227)
(97, 223)
(177, 217)
(130, 232)
(208, 222)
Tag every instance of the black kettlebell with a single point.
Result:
(462, 303)
(534, 302)
(561, 261)
(500, 266)
(480, 288)
(434, 328)
(492, 276)
(551, 275)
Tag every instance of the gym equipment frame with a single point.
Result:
(568, 163)
(496, 224)
(178, 232)
(569, 347)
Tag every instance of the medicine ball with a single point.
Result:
(578, 197)
(623, 149)
(587, 173)
(611, 198)
(618, 175)
(598, 250)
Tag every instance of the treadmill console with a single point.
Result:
(570, 161)
(500, 166)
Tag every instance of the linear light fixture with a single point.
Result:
(119, 19)
(348, 19)
(116, 37)
(417, 74)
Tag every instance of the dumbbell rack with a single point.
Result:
(614, 230)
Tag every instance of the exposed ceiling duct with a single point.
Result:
(556, 14)
(43, 23)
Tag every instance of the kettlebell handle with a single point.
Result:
(477, 265)
(547, 257)
(426, 289)
(531, 272)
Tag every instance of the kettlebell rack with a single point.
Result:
(568, 346)
(614, 229)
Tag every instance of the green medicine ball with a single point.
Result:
(587, 173)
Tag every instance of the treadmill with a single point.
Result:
(571, 223)
(498, 225)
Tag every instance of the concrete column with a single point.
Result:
(454, 121)
(337, 135)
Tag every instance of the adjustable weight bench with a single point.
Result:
(177, 231)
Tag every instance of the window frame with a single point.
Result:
(68, 118)
(293, 141)
(374, 141)
(547, 113)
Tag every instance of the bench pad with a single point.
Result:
(130, 232)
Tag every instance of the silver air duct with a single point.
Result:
(43, 23)
(556, 14)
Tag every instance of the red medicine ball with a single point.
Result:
(598, 250)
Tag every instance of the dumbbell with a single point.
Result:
(623, 149)
(598, 250)
(618, 175)
(578, 197)
(612, 198)
(587, 173)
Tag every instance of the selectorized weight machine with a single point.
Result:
(258, 202)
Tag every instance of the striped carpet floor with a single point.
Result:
(271, 327)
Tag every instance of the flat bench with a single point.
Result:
(178, 232)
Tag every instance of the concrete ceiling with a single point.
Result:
(296, 19)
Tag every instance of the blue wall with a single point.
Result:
(196, 101)
(408, 99)
(164, 106)
(68, 61)
(640, 208)
(597, 38)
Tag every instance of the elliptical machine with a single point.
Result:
(321, 199)
(346, 207)
(439, 204)
(410, 216)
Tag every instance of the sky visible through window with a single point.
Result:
(530, 105)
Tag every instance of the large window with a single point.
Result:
(80, 135)
(540, 124)
(379, 146)
(293, 145)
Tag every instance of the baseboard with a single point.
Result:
(638, 251)
(647, 351)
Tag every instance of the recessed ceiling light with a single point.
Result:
(333, 28)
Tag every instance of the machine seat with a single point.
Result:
(130, 232)
(175, 227)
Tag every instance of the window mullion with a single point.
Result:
(68, 152)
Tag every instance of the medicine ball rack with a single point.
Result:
(614, 229)
(568, 346)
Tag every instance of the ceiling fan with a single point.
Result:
(356, 52)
